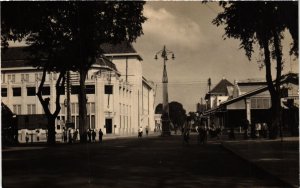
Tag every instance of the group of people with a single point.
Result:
(140, 132)
(202, 133)
(256, 130)
(91, 135)
(71, 135)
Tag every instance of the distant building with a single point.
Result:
(120, 99)
(250, 99)
(219, 93)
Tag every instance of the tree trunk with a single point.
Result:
(51, 140)
(273, 125)
(277, 98)
(82, 107)
(45, 104)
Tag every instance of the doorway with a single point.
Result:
(108, 126)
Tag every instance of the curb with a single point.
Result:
(253, 164)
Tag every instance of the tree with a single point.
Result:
(263, 23)
(176, 112)
(72, 32)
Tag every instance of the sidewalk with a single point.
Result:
(43, 144)
(115, 136)
(279, 159)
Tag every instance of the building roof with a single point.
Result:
(106, 63)
(122, 47)
(221, 87)
(19, 57)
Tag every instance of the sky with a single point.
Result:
(200, 51)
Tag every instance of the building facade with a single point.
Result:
(119, 98)
(250, 100)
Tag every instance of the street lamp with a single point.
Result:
(165, 119)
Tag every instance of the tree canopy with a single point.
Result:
(177, 113)
(68, 35)
(263, 23)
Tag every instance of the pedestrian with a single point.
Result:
(37, 135)
(27, 138)
(89, 134)
(70, 136)
(198, 129)
(231, 134)
(65, 133)
(246, 127)
(100, 135)
(75, 135)
(264, 130)
(147, 131)
(186, 136)
(258, 130)
(93, 136)
(140, 134)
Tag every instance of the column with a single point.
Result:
(248, 109)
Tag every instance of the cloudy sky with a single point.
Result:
(201, 53)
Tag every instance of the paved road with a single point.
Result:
(147, 162)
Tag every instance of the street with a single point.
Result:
(131, 162)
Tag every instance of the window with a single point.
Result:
(88, 108)
(75, 89)
(4, 92)
(31, 109)
(3, 78)
(253, 103)
(30, 91)
(17, 109)
(17, 92)
(93, 121)
(93, 108)
(259, 103)
(108, 89)
(38, 76)
(73, 108)
(12, 78)
(266, 103)
(90, 89)
(25, 77)
(46, 90)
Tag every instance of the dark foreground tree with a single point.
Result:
(69, 35)
(176, 112)
(263, 23)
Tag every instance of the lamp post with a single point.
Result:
(165, 119)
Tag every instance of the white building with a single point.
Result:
(120, 99)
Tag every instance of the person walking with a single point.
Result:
(27, 138)
(246, 127)
(140, 134)
(93, 136)
(100, 135)
(65, 133)
(147, 131)
(75, 135)
(89, 135)
(70, 137)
